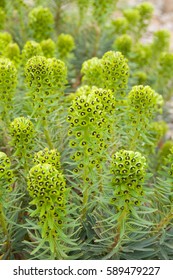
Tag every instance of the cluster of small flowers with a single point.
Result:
(110, 72)
(128, 169)
(22, 134)
(48, 47)
(5, 39)
(45, 77)
(41, 23)
(65, 44)
(123, 44)
(115, 71)
(6, 174)
(8, 81)
(89, 124)
(144, 103)
(47, 188)
(48, 156)
(30, 49)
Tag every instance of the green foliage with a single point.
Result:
(48, 47)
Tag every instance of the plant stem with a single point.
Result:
(165, 221)
(47, 135)
(120, 229)
(3, 221)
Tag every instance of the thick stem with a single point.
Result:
(120, 230)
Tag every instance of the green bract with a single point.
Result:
(92, 72)
(65, 44)
(51, 157)
(90, 128)
(45, 73)
(46, 78)
(8, 81)
(144, 101)
(12, 51)
(48, 47)
(6, 175)
(123, 44)
(30, 49)
(120, 25)
(22, 133)
(5, 39)
(46, 186)
(110, 72)
(41, 23)
(128, 169)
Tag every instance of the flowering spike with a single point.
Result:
(128, 169)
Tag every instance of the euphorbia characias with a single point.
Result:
(22, 133)
(6, 180)
(8, 82)
(129, 170)
(47, 188)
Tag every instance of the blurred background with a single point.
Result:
(162, 18)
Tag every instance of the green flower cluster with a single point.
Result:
(47, 188)
(90, 126)
(12, 51)
(120, 25)
(65, 44)
(161, 42)
(92, 72)
(22, 133)
(48, 47)
(48, 156)
(128, 169)
(110, 72)
(5, 39)
(8, 81)
(41, 23)
(6, 174)
(46, 78)
(123, 44)
(115, 71)
(30, 49)
(143, 103)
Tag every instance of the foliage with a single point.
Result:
(86, 169)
